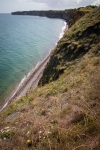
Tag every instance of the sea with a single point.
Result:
(24, 42)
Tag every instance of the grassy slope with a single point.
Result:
(77, 41)
(63, 114)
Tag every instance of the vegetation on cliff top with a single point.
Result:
(63, 114)
(69, 15)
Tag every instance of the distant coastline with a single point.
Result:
(66, 15)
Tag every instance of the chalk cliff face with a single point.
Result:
(62, 113)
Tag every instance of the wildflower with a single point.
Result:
(39, 137)
(49, 132)
(4, 138)
(40, 132)
(29, 142)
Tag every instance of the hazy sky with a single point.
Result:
(19, 5)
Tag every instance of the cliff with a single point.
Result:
(70, 15)
(75, 44)
(66, 14)
(63, 112)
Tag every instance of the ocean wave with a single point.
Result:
(63, 30)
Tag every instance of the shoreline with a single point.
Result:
(32, 78)
(27, 82)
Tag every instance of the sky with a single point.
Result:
(7, 6)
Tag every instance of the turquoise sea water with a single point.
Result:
(24, 41)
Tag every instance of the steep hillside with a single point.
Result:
(76, 42)
(63, 113)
